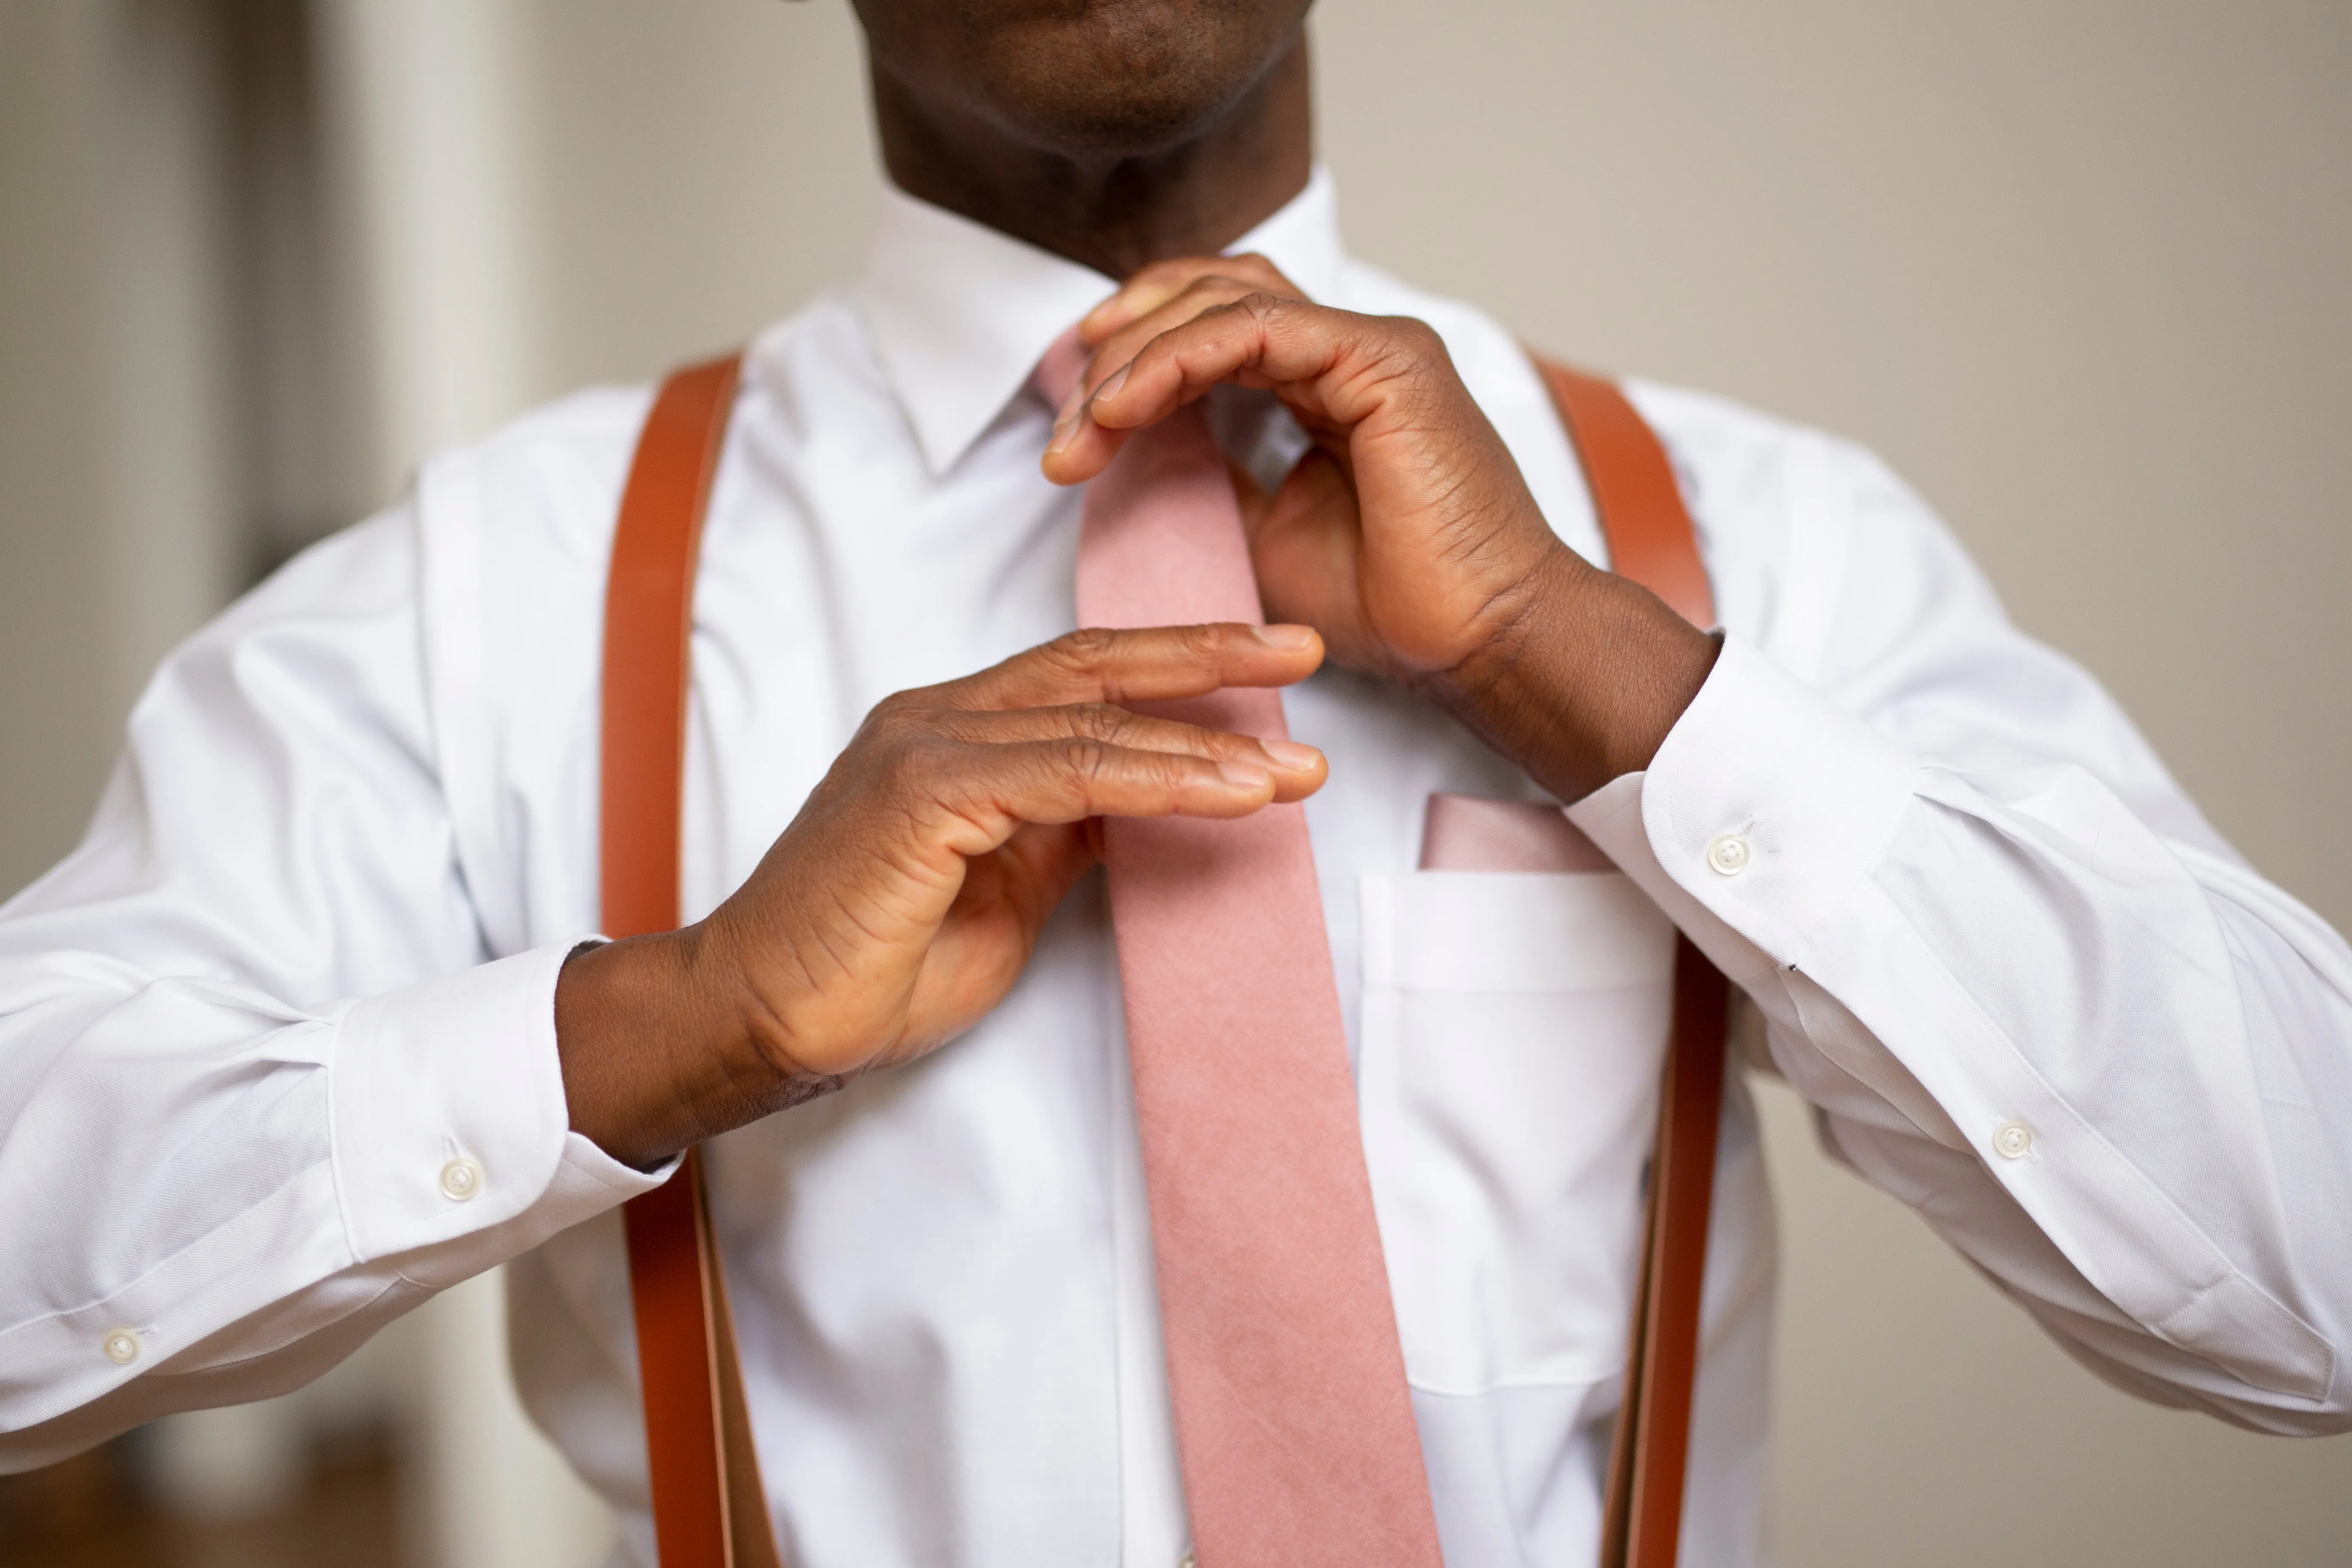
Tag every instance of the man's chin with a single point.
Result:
(1117, 77)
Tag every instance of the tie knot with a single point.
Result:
(1060, 373)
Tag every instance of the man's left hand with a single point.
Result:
(1406, 536)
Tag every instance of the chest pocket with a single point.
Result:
(1513, 1026)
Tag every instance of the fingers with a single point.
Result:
(1297, 771)
(1161, 281)
(1167, 295)
(1163, 296)
(1144, 665)
(1333, 369)
(1117, 351)
(1041, 738)
(988, 791)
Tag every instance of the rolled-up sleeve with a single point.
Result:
(2028, 990)
(259, 1088)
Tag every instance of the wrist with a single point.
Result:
(749, 1021)
(1583, 679)
(655, 1045)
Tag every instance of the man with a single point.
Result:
(314, 1023)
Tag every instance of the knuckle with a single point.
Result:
(1289, 306)
(960, 726)
(919, 765)
(898, 714)
(1417, 340)
(1100, 721)
(1086, 760)
(1079, 651)
(1261, 306)
(875, 738)
(1203, 642)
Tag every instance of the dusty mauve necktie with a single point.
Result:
(1294, 1427)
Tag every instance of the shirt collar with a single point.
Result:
(960, 314)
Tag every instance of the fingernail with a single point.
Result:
(1246, 775)
(1293, 757)
(1286, 636)
(1109, 389)
(1065, 429)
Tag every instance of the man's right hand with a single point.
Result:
(904, 900)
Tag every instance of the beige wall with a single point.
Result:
(2082, 271)
(115, 528)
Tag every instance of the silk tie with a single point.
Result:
(1295, 1430)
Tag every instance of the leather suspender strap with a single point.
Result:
(1650, 534)
(1643, 1518)
(1651, 540)
(709, 1509)
(648, 620)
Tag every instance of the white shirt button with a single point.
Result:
(1727, 854)
(1185, 1560)
(120, 1345)
(2011, 1139)
(460, 1179)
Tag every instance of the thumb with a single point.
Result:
(1316, 502)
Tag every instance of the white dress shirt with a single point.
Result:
(278, 1058)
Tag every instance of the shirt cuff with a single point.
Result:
(448, 1116)
(1766, 805)
(1757, 827)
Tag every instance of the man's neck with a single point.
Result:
(1113, 214)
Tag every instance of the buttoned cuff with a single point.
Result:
(1757, 827)
(1768, 803)
(1764, 808)
(448, 1116)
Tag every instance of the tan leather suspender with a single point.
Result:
(1651, 541)
(710, 1510)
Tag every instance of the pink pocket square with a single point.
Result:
(1467, 833)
